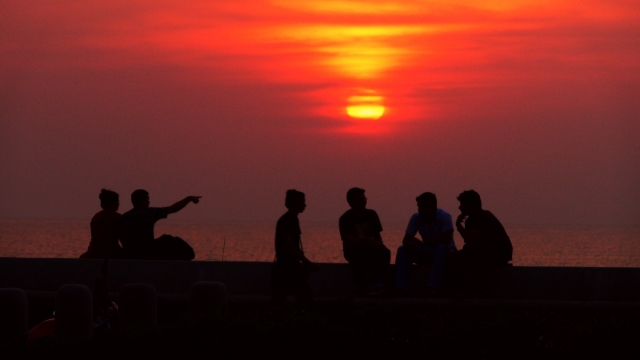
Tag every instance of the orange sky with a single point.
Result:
(532, 103)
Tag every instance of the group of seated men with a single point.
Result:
(486, 245)
(134, 230)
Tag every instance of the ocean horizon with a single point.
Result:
(551, 245)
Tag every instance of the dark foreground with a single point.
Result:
(341, 329)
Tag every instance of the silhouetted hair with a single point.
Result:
(139, 196)
(292, 197)
(470, 197)
(427, 198)
(353, 193)
(108, 198)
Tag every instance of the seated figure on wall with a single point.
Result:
(104, 228)
(436, 230)
(362, 244)
(136, 230)
(486, 243)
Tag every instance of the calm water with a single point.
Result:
(536, 246)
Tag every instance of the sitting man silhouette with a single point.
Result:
(136, 230)
(486, 243)
(362, 244)
(291, 268)
(104, 228)
(436, 230)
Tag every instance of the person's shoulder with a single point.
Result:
(161, 210)
(287, 217)
(139, 213)
(443, 214)
(371, 212)
(488, 215)
(372, 215)
(129, 213)
(415, 217)
(347, 214)
(98, 215)
(112, 215)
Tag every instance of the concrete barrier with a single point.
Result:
(14, 314)
(334, 280)
(74, 311)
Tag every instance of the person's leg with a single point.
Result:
(279, 285)
(437, 254)
(403, 269)
(382, 259)
(357, 260)
(278, 296)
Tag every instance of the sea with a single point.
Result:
(593, 246)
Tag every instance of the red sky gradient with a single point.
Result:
(532, 103)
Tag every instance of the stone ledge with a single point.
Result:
(333, 281)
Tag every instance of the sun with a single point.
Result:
(367, 105)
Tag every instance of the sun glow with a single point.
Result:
(365, 106)
(371, 112)
(357, 52)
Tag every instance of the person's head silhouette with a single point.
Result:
(109, 200)
(469, 202)
(140, 199)
(427, 205)
(356, 198)
(295, 201)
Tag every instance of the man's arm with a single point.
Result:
(411, 242)
(469, 236)
(292, 248)
(182, 203)
(298, 254)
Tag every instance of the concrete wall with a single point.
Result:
(334, 280)
(168, 277)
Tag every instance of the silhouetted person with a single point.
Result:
(436, 230)
(486, 243)
(104, 228)
(362, 243)
(136, 230)
(291, 268)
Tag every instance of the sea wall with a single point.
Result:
(334, 280)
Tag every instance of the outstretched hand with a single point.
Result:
(182, 203)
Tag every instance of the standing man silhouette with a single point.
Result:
(292, 268)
